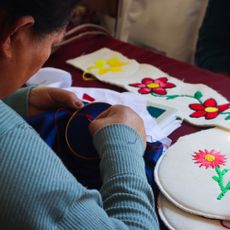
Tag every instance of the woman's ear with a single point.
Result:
(21, 26)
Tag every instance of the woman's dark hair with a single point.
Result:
(49, 15)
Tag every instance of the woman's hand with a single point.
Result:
(119, 114)
(43, 98)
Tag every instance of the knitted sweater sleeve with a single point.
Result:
(38, 192)
(18, 100)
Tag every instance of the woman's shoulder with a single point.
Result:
(9, 119)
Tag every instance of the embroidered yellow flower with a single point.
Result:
(113, 64)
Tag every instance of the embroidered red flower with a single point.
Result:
(209, 109)
(210, 158)
(157, 86)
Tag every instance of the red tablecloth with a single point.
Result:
(180, 70)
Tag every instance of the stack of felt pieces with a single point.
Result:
(193, 175)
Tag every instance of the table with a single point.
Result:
(177, 69)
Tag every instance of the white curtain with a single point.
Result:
(170, 26)
(129, 12)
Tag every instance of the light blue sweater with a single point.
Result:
(38, 192)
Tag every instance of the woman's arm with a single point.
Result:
(32, 100)
(38, 192)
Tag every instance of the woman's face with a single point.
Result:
(28, 54)
(35, 54)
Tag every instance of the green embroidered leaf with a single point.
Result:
(218, 170)
(227, 118)
(228, 185)
(224, 171)
(170, 97)
(220, 196)
(216, 178)
(198, 95)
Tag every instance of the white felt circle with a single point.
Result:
(191, 186)
(177, 219)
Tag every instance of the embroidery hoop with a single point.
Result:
(75, 117)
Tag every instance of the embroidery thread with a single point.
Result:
(213, 159)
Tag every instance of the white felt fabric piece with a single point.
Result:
(177, 219)
(52, 77)
(196, 103)
(153, 131)
(185, 93)
(88, 63)
(187, 173)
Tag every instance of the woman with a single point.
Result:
(37, 191)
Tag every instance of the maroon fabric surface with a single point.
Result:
(180, 70)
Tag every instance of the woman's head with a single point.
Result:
(49, 15)
(28, 30)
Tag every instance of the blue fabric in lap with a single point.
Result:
(66, 132)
